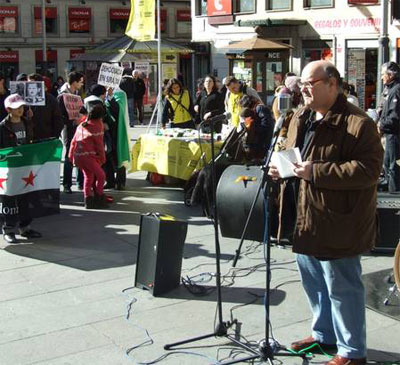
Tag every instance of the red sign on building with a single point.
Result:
(9, 57)
(79, 19)
(119, 13)
(219, 7)
(8, 11)
(50, 13)
(74, 52)
(51, 56)
(183, 15)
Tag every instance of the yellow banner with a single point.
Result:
(141, 24)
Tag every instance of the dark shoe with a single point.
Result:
(67, 190)
(10, 237)
(339, 360)
(109, 186)
(89, 202)
(100, 202)
(316, 346)
(120, 187)
(30, 233)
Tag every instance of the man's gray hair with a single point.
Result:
(391, 68)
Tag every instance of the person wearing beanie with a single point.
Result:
(22, 77)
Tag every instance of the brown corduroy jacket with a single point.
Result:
(336, 211)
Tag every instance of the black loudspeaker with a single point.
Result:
(389, 222)
(160, 251)
(236, 190)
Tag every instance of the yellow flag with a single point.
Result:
(141, 25)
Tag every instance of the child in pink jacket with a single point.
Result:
(87, 152)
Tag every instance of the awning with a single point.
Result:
(270, 22)
(125, 49)
(257, 43)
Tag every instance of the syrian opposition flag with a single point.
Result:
(33, 171)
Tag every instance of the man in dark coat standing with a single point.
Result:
(47, 120)
(335, 214)
(389, 124)
(127, 85)
(139, 91)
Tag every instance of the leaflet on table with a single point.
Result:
(285, 160)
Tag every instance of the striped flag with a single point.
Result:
(32, 170)
(141, 24)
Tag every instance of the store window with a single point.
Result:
(245, 6)
(118, 20)
(51, 20)
(279, 4)
(79, 20)
(9, 19)
(9, 61)
(315, 50)
(183, 22)
(317, 3)
(201, 7)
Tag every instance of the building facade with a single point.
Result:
(72, 27)
(346, 32)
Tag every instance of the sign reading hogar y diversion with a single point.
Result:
(110, 75)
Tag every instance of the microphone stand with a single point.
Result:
(221, 329)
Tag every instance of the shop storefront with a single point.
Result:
(51, 21)
(262, 70)
(118, 20)
(9, 65)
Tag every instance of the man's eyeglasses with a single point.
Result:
(309, 84)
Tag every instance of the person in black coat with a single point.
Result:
(259, 123)
(389, 125)
(127, 84)
(138, 94)
(209, 103)
(4, 92)
(47, 120)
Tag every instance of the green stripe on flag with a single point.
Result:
(31, 154)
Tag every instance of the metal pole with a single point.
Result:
(383, 50)
(159, 107)
(44, 41)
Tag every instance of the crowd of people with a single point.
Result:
(328, 208)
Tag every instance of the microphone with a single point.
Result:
(284, 103)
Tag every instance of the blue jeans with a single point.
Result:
(336, 295)
(131, 111)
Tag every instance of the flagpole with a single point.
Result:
(158, 106)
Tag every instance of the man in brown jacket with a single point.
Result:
(335, 211)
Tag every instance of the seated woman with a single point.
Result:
(178, 106)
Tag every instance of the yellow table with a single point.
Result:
(172, 156)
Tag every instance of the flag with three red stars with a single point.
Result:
(32, 170)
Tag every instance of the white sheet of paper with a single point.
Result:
(285, 160)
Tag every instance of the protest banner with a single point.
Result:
(73, 104)
(141, 25)
(110, 75)
(33, 92)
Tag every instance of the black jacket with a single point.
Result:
(127, 84)
(213, 102)
(8, 137)
(390, 117)
(47, 120)
(139, 88)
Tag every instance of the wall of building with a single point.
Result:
(25, 42)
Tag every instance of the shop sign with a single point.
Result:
(50, 13)
(183, 15)
(219, 7)
(360, 24)
(75, 52)
(8, 11)
(273, 55)
(79, 13)
(119, 13)
(9, 57)
(79, 25)
(169, 57)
